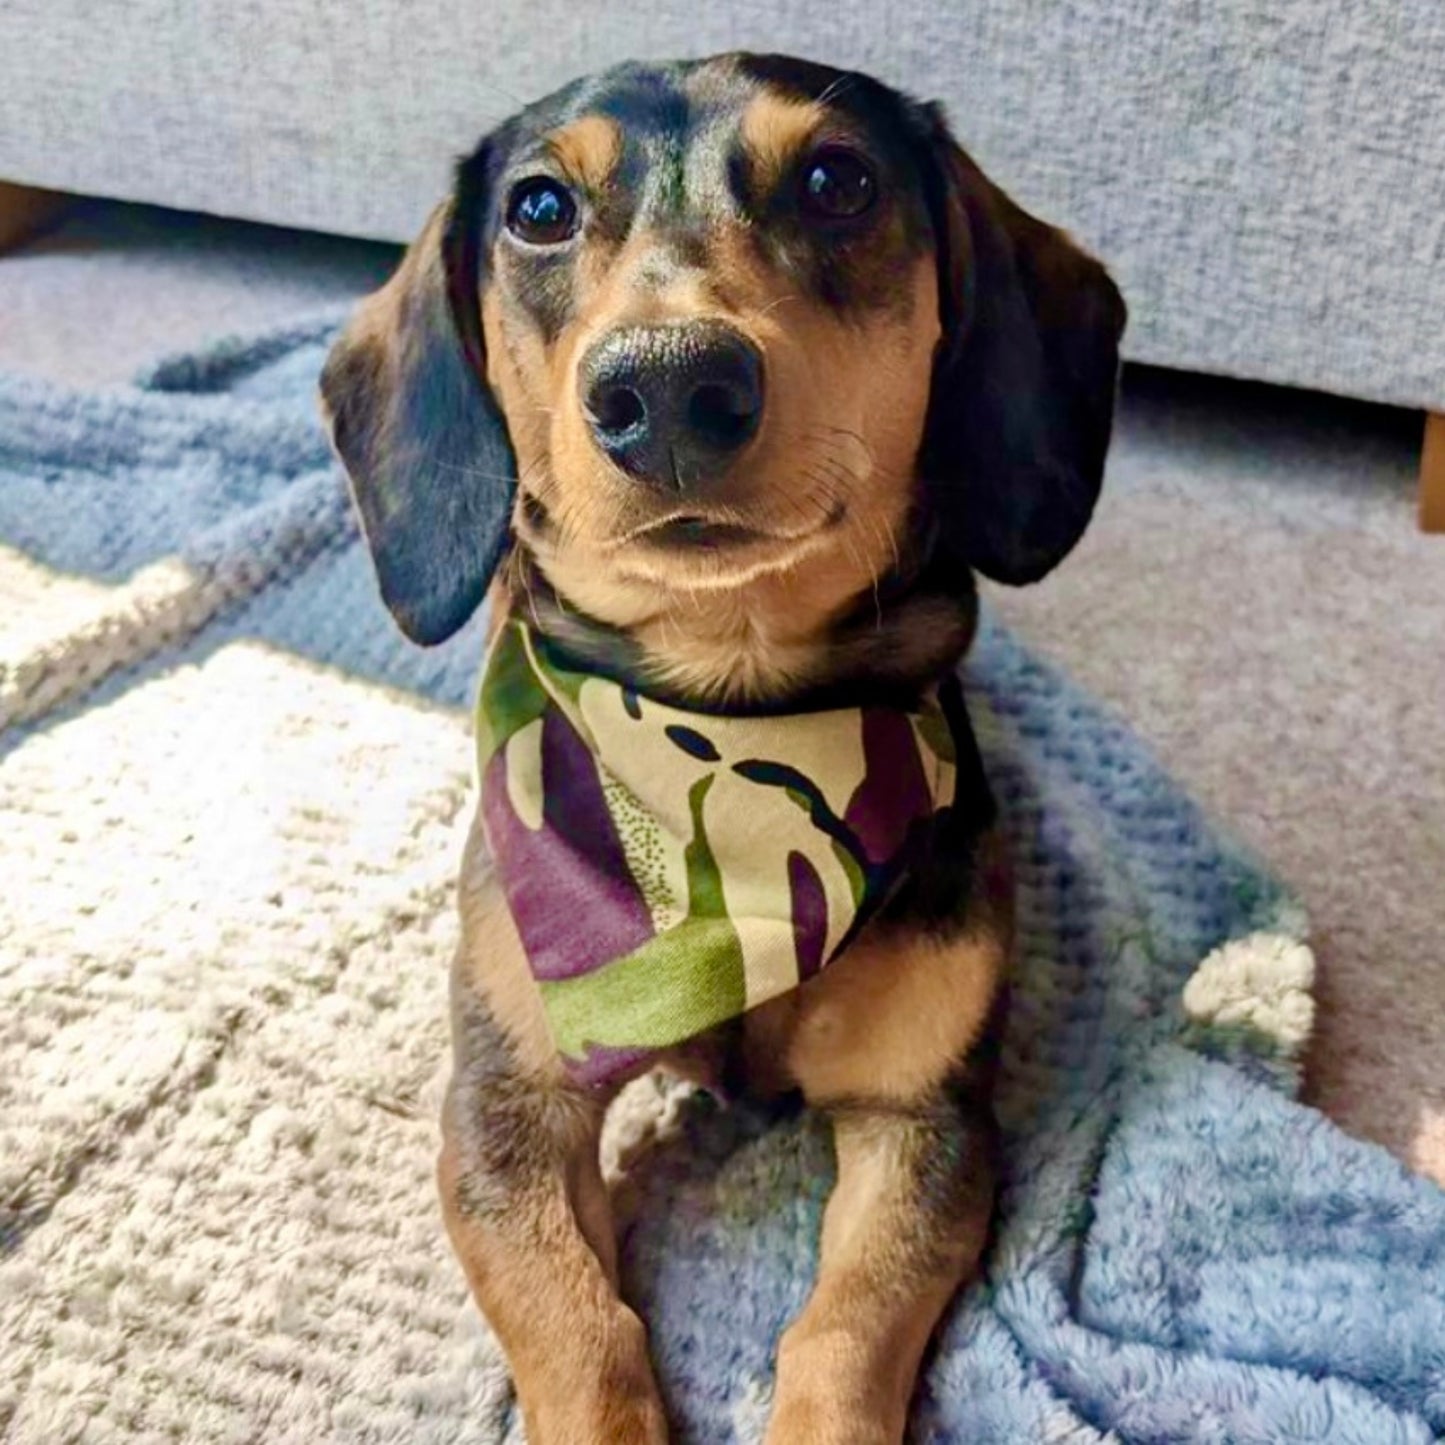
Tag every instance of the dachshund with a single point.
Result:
(723, 379)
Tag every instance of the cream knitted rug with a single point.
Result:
(232, 803)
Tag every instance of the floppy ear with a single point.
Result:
(1024, 382)
(419, 434)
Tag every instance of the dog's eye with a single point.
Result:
(541, 212)
(837, 185)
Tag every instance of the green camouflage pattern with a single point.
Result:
(667, 869)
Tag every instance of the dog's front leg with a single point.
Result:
(904, 1227)
(882, 1047)
(528, 1214)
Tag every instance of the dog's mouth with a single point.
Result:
(697, 532)
(718, 546)
(694, 531)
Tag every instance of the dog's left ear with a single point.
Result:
(1025, 377)
(414, 423)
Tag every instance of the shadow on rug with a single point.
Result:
(232, 796)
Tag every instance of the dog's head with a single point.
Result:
(747, 327)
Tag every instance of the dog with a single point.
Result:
(726, 377)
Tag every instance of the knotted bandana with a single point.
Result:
(668, 870)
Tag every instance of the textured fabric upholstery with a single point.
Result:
(1267, 177)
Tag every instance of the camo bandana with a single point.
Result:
(668, 870)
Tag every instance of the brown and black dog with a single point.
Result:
(734, 372)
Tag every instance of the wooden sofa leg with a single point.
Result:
(1432, 474)
(26, 210)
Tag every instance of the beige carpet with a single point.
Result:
(1253, 597)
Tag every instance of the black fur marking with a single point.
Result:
(510, 1133)
(941, 882)
(683, 170)
(422, 440)
(570, 636)
(1022, 397)
(536, 515)
(548, 296)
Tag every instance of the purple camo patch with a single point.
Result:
(810, 914)
(567, 883)
(894, 790)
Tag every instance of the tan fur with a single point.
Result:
(578, 1354)
(881, 1028)
(775, 128)
(845, 411)
(847, 1364)
(894, 1014)
(885, 1022)
(588, 150)
(889, 1018)
(612, 290)
(519, 374)
(539, 1253)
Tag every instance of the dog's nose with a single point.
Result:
(673, 404)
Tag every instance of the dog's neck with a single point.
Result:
(745, 648)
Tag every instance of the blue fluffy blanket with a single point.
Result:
(1184, 1252)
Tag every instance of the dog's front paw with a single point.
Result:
(799, 1420)
(598, 1419)
(611, 1399)
(834, 1388)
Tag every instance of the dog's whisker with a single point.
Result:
(836, 88)
(882, 528)
(862, 562)
(530, 597)
(841, 477)
(776, 303)
(865, 561)
(816, 506)
(846, 432)
(465, 469)
(571, 522)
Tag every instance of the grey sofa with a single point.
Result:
(1265, 177)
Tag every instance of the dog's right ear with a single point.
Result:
(423, 442)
